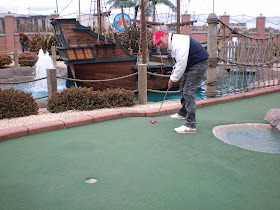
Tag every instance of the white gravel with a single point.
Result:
(44, 115)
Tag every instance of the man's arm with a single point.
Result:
(180, 50)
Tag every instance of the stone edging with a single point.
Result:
(218, 129)
(14, 132)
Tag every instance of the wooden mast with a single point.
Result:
(143, 32)
(178, 17)
(99, 16)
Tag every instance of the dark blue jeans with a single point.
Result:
(24, 47)
(190, 81)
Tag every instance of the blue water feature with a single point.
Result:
(39, 90)
(35, 89)
(156, 97)
(251, 137)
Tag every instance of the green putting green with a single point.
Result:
(140, 165)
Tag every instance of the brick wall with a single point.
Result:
(200, 36)
(3, 45)
(10, 41)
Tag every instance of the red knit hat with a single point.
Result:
(156, 36)
(20, 33)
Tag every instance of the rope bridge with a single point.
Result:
(245, 63)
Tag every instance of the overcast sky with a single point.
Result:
(268, 8)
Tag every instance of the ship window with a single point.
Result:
(71, 54)
(88, 53)
(80, 53)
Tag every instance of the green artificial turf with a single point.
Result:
(139, 165)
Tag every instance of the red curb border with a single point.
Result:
(19, 131)
(44, 127)
(14, 132)
(104, 116)
(77, 121)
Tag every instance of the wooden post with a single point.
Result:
(270, 51)
(243, 53)
(15, 58)
(212, 21)
(52, 81)
(54, 55)
(142, 83)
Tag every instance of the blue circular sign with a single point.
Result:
(118, 22)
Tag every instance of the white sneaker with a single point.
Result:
(177, 116)
(185, 129)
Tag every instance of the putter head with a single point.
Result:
(153, 121)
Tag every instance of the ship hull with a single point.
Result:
(90, 56)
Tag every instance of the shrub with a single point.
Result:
(16, 103)
(41, 41)
(27, 58)
(82, 98)
(35, 42)
(5, 59)
(119, 97)
(73, 98)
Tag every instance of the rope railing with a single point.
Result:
(163, 91)
(159, 75)
(105, 80)
(178, 91)
(242, 34)
(265, 64)
(22, 82)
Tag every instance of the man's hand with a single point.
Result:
(170, 83)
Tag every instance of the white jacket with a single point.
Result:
(179, 47)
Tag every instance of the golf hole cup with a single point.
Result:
(91, 180)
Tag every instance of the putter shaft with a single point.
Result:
(162, 102)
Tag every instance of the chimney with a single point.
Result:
(225, 19)
(260, 26)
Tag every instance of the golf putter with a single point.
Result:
(155, 120)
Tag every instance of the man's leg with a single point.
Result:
(182, 111)
(193, 79)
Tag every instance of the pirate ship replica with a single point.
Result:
(91, 56)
